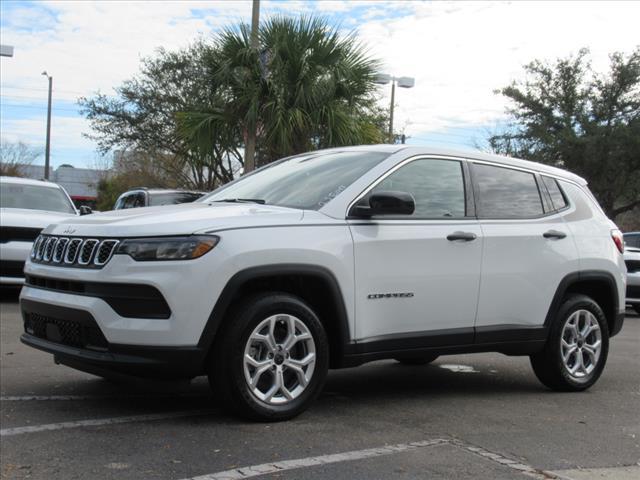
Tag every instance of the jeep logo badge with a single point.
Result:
(69, 231)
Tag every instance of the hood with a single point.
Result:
(24, 217)
(182, 219)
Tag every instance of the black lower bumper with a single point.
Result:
(129, 360)
(71, 336)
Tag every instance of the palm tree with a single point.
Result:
(306, 87)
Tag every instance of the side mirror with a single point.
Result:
(385, 203)
(85, 210)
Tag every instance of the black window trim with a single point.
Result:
(470, 212)
(538, 180)
(567, 201)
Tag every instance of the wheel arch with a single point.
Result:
(597, 284)
(314, 284)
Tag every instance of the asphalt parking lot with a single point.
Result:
(466, 416)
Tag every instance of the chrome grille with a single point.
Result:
(73, 252)
(41, 246)
(86, 251)
(104, 252)
(35, 246)
(58, 253)
(48, 249)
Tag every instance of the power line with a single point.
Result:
(10, 87)
(36, 107)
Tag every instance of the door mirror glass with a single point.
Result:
(85, 210)
(385, 203)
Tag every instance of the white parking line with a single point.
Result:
(277, 467)
(40, 398)
(6, 432)
(267, 468)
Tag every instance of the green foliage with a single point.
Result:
(569, 116)
(305, 87)
(142, 117)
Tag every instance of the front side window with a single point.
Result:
(34, 197)
(437, 187)
(307, 181)
(506, 193)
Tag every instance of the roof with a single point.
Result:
(470, 154)
(28, 181)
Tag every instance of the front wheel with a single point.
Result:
(577, 348)
(272, 360)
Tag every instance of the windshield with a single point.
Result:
(34, 197)
(174, 198)
(306, 181)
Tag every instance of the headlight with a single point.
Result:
(168, 248)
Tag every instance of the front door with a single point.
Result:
(418, 276)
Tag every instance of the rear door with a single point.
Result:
(415, 287)
(528, 250)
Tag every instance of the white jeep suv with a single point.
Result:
(26, 208)
(331, 259)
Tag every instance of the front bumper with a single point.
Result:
(75, 340)
(633, 288)
(12, 258)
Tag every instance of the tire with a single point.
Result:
(423, 360)
(549, 364)
(230, 373)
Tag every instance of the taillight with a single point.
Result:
(618, 239)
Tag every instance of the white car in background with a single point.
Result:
(632, 260)
(26, 207)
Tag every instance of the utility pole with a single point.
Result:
(393, 101)
(47, 151)
(250, 144)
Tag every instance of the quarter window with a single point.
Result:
(436, 185)
(506, 193)
(557, 197)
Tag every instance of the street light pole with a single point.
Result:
(393, 100)
(404, 82)
(47, 151)
(250, 143)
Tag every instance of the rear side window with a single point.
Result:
(506, 193)
(557, 197)
(436, 185)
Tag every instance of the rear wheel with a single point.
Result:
(422, 360)
(272, 359)
(576, 351)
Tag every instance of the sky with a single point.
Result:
(458, 52)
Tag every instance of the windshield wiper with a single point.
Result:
(242, 200)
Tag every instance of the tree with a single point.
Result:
(142, 118)
(14, 156)
(567, 115)
(306, 87)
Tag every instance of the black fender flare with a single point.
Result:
(581, 276)
(236, 282)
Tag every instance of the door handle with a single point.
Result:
(554, 234)
(464, 236)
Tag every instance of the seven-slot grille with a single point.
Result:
(76, 252)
